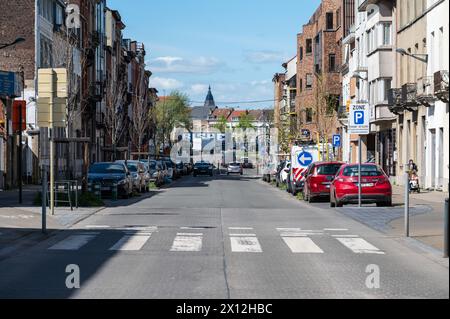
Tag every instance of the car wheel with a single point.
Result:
(339, 204)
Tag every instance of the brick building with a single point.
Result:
(318, 77)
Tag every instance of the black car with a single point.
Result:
(203, 168)
(108, 174)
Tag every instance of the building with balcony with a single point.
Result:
(318, 72)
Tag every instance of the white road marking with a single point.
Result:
(97, 227)
(187, 243)
(290, 229)
(302, 245)
(240, 228)
(73, 242)
(335, 229)
(360, 246)
(245, 245)
(242, 235)
(131, 242)
(344, 236)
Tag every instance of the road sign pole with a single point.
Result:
(44, 199)
(359, 171)
(407, 233)
(52, 164)
(19, 155)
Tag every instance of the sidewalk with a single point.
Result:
(22, 223)
(426, 216)
(428, 227)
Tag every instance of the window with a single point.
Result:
(309, 115)
(386, 27)
(387, 87)
(308, 46)
(338, 17)
(301, 85)
(309, 80)
(332, 63)
(330, 22)
(301, 53)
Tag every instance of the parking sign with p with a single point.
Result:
(359, 119)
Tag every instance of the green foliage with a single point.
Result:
(169, 113)
(84, 200)
(246, 122)
(221, 124)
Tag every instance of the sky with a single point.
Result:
(236, 46)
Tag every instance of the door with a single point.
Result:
(433, 158)
(440, 181)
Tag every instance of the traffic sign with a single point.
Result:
(305, 158)
(337, 141)
(10, 84)
(359, 121)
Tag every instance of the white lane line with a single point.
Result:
(97, 227)
(289, 229)
(187, 243)
(190, 234)
(245, 245)
(131, 242)
(335, 229)
(360, 246)
(73, 242)
(302, 245)
(242, 235)
(240, 228)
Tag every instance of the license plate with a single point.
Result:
(367, 185)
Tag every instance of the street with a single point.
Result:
(225, 237)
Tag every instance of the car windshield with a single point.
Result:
(107, 169)
(201, 164)
(366, 170)
(328, 169)
(132, 167)
(235, 164)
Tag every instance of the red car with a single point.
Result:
(376, 187)
(318, 179)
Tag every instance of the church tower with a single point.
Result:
(209, 101)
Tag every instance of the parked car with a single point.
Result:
(280, 167)
(108, 174)
(270, 171)
(376, 187)
(245, 161)
(189, 168)
(284, 172)
(318, 178)
(181, 169)
(170, 169)
(137, 170)
(203, 168)
(295, 187)
(235, 168)
(155, 172)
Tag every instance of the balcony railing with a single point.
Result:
(441, 85)
(425, 90)
(395, 101)
(409, 96)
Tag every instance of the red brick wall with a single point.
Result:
(306, 98)
(17, 20)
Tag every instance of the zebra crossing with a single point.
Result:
(241, 240)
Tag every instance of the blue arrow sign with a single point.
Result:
(305, 158)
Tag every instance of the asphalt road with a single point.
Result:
(223, 237)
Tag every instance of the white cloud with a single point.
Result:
(262, 57)
(165, 83)
(198, 65)
(198, 89)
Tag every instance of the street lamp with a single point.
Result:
(16, 41)
(420, 57)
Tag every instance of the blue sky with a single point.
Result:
(233, 45)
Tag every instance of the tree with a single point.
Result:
(246, 123)
(222, 124)
(325, 109)
(115, 115)
(170, 112)
(140, 116)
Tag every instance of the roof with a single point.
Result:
(218, 113)
(200, 112)
(209, 101)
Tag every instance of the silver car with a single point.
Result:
(235, 168)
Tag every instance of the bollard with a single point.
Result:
(446, 228)
(114, 191)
